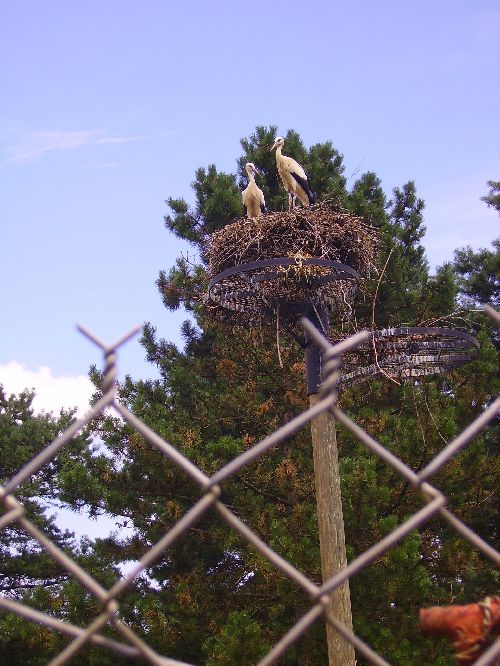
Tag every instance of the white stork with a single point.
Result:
(252, 195)
(293, 176)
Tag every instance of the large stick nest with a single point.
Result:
(322, 231)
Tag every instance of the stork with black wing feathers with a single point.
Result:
(293, 176)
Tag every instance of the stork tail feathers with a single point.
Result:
(304, 183)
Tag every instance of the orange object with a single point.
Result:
(471, 628)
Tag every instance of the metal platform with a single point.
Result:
(409, 352)
(288, 283)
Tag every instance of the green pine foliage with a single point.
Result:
(27, 573)
(479, 274)
(493, 197)
(23, 562)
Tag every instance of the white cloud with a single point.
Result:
(37, 144)
(107, 165)
(117, 139)
(79, 523)
(51, 392)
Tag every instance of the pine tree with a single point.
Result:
(479, 274)
(226, 389)
(24, 564)
(28, 574)
(493, 198)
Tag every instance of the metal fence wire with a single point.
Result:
(133, 646)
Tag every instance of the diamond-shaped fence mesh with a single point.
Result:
(433, 503)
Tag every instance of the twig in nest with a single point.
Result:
(374, 302)
(278, 336)
(433, 419)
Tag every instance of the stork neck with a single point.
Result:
(251, 176)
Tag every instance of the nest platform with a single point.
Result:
(408, 352)
(288, 262)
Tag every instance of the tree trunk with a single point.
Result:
(331, 530)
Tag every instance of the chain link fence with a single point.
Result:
(133, 646)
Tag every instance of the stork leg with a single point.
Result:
(290, 201)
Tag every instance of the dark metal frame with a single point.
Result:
(438, 355)
(221, 291)
(409, 357)
(290, 310)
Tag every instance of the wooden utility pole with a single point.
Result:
(329, 506)
(331, 530)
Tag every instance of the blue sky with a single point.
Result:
(109, 107)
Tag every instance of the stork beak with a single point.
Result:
(273, 146)
(258, 172)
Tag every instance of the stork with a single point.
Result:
(293, 176)
(252, 195)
